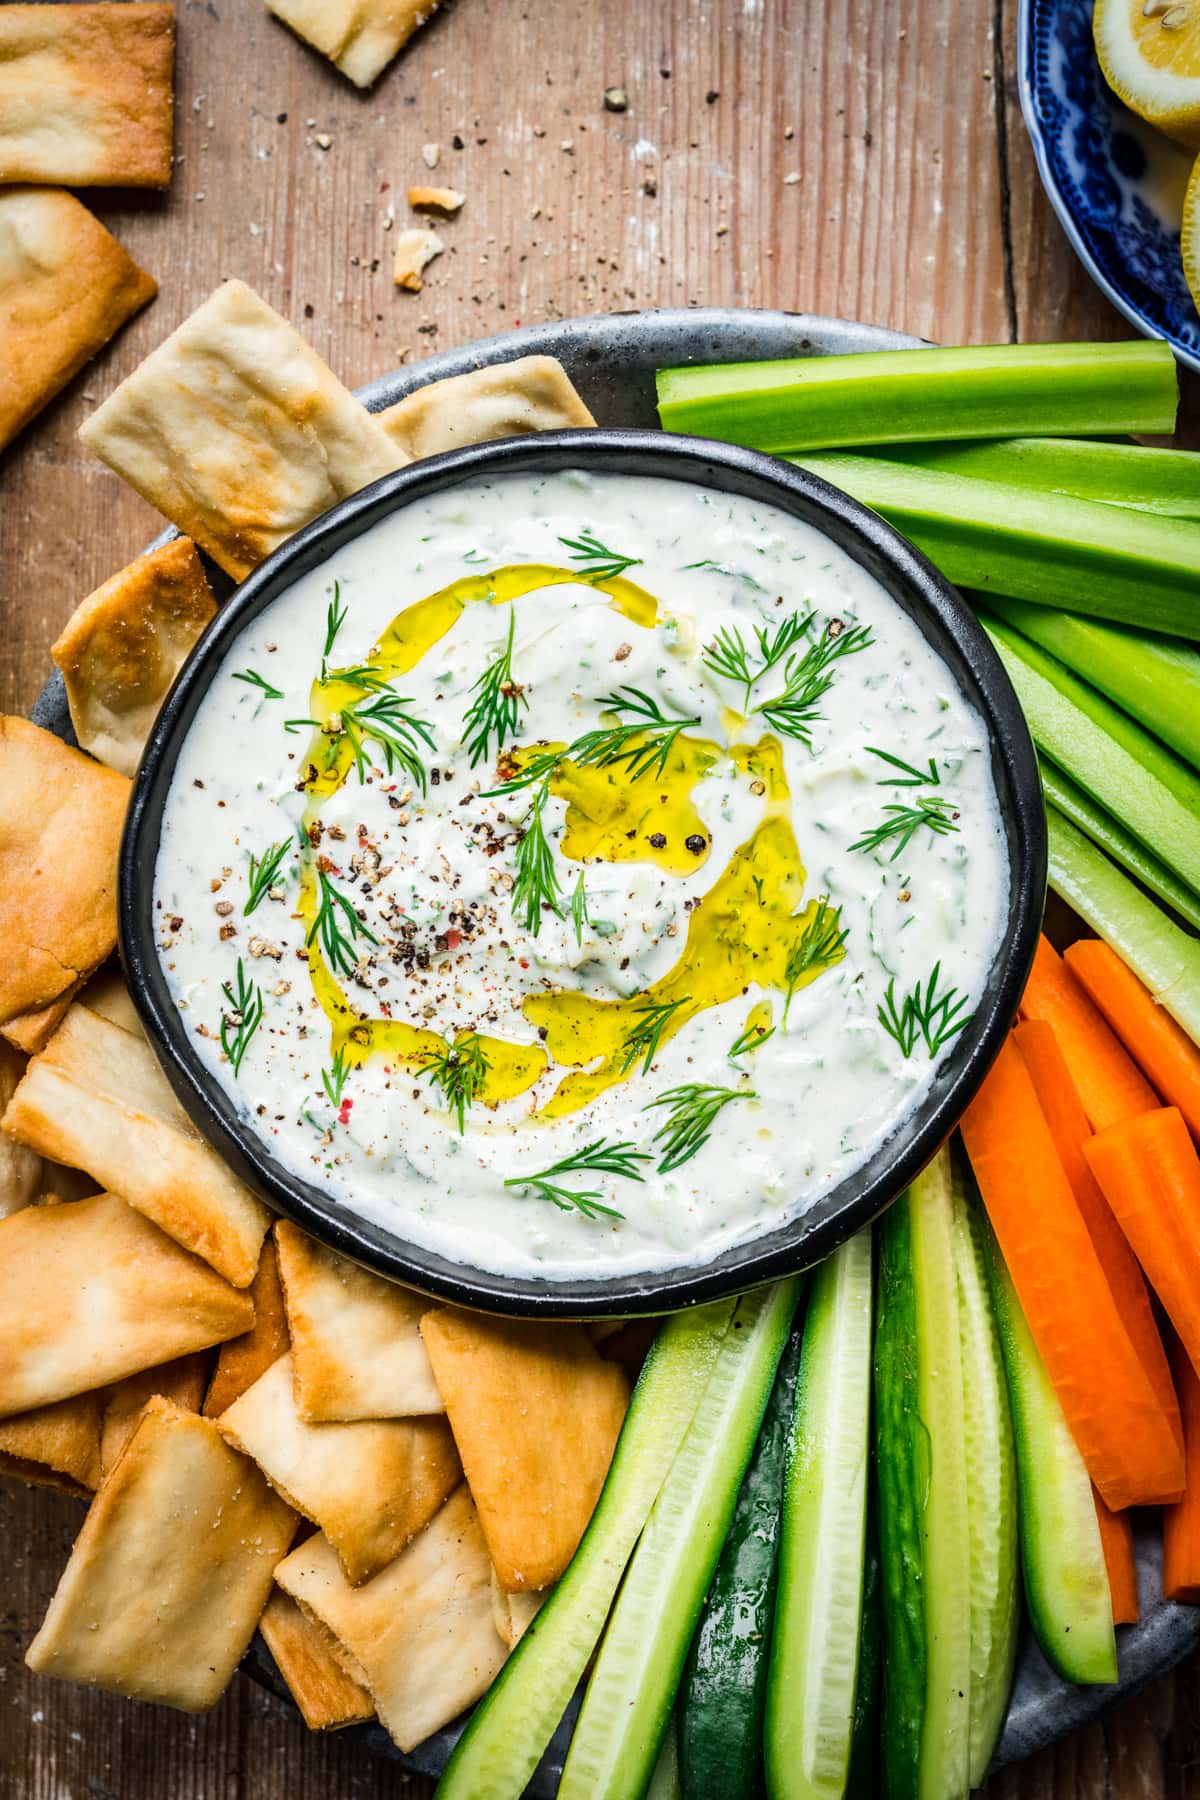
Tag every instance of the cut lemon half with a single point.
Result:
(1150, 53)
(1191, 234)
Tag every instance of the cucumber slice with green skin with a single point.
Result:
(862, 1782)
(1066, 1583)
(818, 1611)
(511, 1726)
(991, 1472)
(637, 1671)
(724, 1690)
(924, 1527)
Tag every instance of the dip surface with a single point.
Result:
(670, 986)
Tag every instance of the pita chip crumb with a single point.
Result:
(124, 645)
(172, 1569)
(360, 37)
(56, 1446)
(241, 1360)
(20, 1168)
(86, 94)
(181, 1381)
(515, 1613)
(532, 393)
(415, 250)
(306, 1655)
(436, 199)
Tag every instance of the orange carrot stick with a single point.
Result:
(1149, 1173)
(1163, 1050)
(1181, 1523)
(1116, 1540)
(1068, 1124)
(1109, 1082)
(1109, 1402)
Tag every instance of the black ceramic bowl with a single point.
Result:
(953, 633)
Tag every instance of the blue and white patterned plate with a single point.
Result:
(1116, 184)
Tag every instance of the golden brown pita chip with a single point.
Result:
(107, 995)
(20, 1168)
(243, 1359)
(96, 1099)
(422, 1632)
(55, 1446)
(304, 1655)
(66, 286)
(514, 1613)
(92, 1291)
(172, 1569)
(123, 647)
(360, 37)
(181, 1381)
(368, 1485)
(356, 1341)
(236, 430)
(534, 393)
(60, 827)
(32, 1031)
(535, 1414)
(85, 94)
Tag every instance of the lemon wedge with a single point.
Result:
(1150, 53)
(1191, 234)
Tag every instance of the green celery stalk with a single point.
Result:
(896, 396)
(1104, 830)
(1159, 952)
(1157, 481)
(1145, 787)
(1155, 679)
(1081, 555)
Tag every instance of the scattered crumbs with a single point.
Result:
(791, 180)
(322, 140)
(439, 199)
(431, 155)
(567, 147)
(616, 100)
(415, 250)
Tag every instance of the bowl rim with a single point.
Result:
(799, 1241)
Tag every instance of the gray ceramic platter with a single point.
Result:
(612, 359)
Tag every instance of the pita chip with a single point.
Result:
(60, 828)
(20, 1168)
(96, 1099)
(171, 1572)
(182, 1381)
(55, 1446)
(515, 1613)
(85, 94)
(535, 1413)
(356, 1339)
(237, 431)
(422, 1632)
(241, 1360)
(369, 1485)
(104, 992)
(107, 995)
(31, 1031)
(360, 37)
(90, 1291)
(123, 647)
(306, 1657)
(534, 393)
(66, 287)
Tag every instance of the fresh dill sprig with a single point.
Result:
(643, 745)
(263, 872)
(242, 1020)
(335, 618)
(496, 709)
(730, 657)
(908, 776)
(600, 1157)
(535, 882)
(807, 679)
(459, 1071)
(643, 1038)
(818, 947)
(748, 1039)
(933, 1017)
(694, 1107)
(252, 678)
(383, 720)
(600, 562)
(337, 926)
(579, 908)
(903, 822)
(720, 568)
(333, 1079)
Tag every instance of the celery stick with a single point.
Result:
(1104, 830)
(1157, 481)
(1081, 555)
(1159, 952)
(895, 396)
(1155, 679)
(1145, 787)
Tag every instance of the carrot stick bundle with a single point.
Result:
(1064, 1114)
(1109, 1083)
(1116, 1540)
(1115, 1416)
(1149, 1173)
(1181, 1522)
(1163, 1050)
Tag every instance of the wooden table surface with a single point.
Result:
(866, 159)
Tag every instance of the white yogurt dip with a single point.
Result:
(673, 982)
